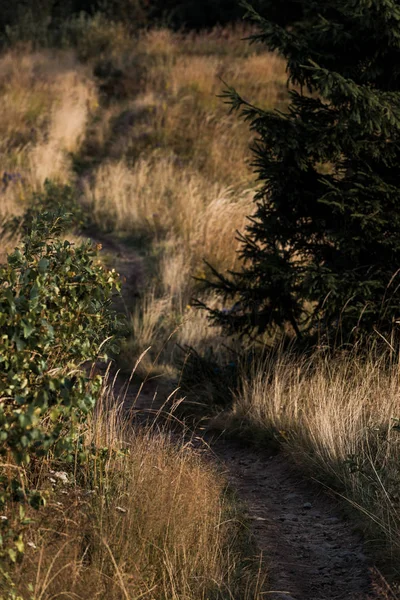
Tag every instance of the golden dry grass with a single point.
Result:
(161, 155)
(175, 166)
(161, 159)
(144, 517)
(45, 100)
(158, 156)
(335, 418)
(158, 197)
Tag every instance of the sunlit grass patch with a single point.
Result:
(336, 419)
(144, 516)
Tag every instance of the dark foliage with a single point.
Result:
(322, 249)
(51, 15)
(198, 15)
(206, 381)
(53, 198)
(40, 11)
(180, 14)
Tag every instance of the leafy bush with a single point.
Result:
(33, 20)
(54, 197)
(54, 316)
(94, 35)
(49, 22)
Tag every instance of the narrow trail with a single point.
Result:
(310, 551)
(126, 262)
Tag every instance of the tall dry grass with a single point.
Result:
(157, 197)
(153, 151)
(161, 160)
(155, 157)
(335, 418)
(168, 98)
(45, 101)
(175, 167)
(144, 517)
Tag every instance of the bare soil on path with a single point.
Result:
(311, 552)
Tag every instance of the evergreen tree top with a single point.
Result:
(360, 39)
(323, 244)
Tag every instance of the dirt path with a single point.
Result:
(126, 262)
(311, 552)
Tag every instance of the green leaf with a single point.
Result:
(19, 544)
(28, 329)
(43, 265)
(19, 343)
(12, 554)
(24, 441)
(34, 293)
(49, 327)
(24, 420)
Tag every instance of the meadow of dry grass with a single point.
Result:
(158, 163)
(155, 160)
(150, 149)
(45, 101)
(170, 165)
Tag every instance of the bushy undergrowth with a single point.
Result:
(54, 316)
(48, 22)
(122, 514)
(53, 197)
(152, 154)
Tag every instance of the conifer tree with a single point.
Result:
(323, 245)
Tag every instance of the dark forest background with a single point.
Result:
(179, 14)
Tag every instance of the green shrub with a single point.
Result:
(54, 197)
(36, 21)
(54, 316)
